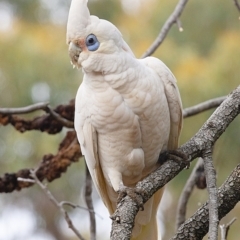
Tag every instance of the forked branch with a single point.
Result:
(172, 19)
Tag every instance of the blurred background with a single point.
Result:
(35, 67)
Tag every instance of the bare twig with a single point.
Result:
(213, 197)
(77, 206)
(237, 4)
(201, 107)
(23, 110)
(88, 198)
(72, 205)
(166, 27)
(63, 121)
(179, 24)
(56, 203)
(186, 193)
(225, 228)
(27, 180)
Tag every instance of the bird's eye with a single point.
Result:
(92, 42)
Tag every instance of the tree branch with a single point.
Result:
(9, 183)
(56, 203)
(123, 218)
(212, 192)
(173, 18)
(88, 199)
(23, 110)
(196, 227)
(225, 228)
(201, 107)
(186, 193)
(61, 116)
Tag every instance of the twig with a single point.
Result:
(166, 27)
(179, 24)
(88, 199)
(23, 110)
(66, 203)
(225, 228)
(237, 4)
(186, 193)
(63, 121)
(77, 206)
(212, 192)
(56, 203)
(27, 180)
(201, 107)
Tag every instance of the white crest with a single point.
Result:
(78, 19)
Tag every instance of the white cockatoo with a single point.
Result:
(127, 112)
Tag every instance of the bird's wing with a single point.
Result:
(173, 98)
(88, 139)
(91, 154)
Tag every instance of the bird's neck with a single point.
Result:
(120, 73)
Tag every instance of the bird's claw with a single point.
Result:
(175, 155)
(136, 194)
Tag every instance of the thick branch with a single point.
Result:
(196, 227)
(173, 18)
(204, 139)
(50, 168)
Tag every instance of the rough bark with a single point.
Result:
(196, 227)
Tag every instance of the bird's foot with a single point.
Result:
(136, 194)
(175, 155)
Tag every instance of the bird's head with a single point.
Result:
(92, 40)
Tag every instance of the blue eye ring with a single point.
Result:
(92, 42)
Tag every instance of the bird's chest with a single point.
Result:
(108, 110)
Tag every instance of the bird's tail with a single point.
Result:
(146, 227)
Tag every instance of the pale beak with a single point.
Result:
(74, 52)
